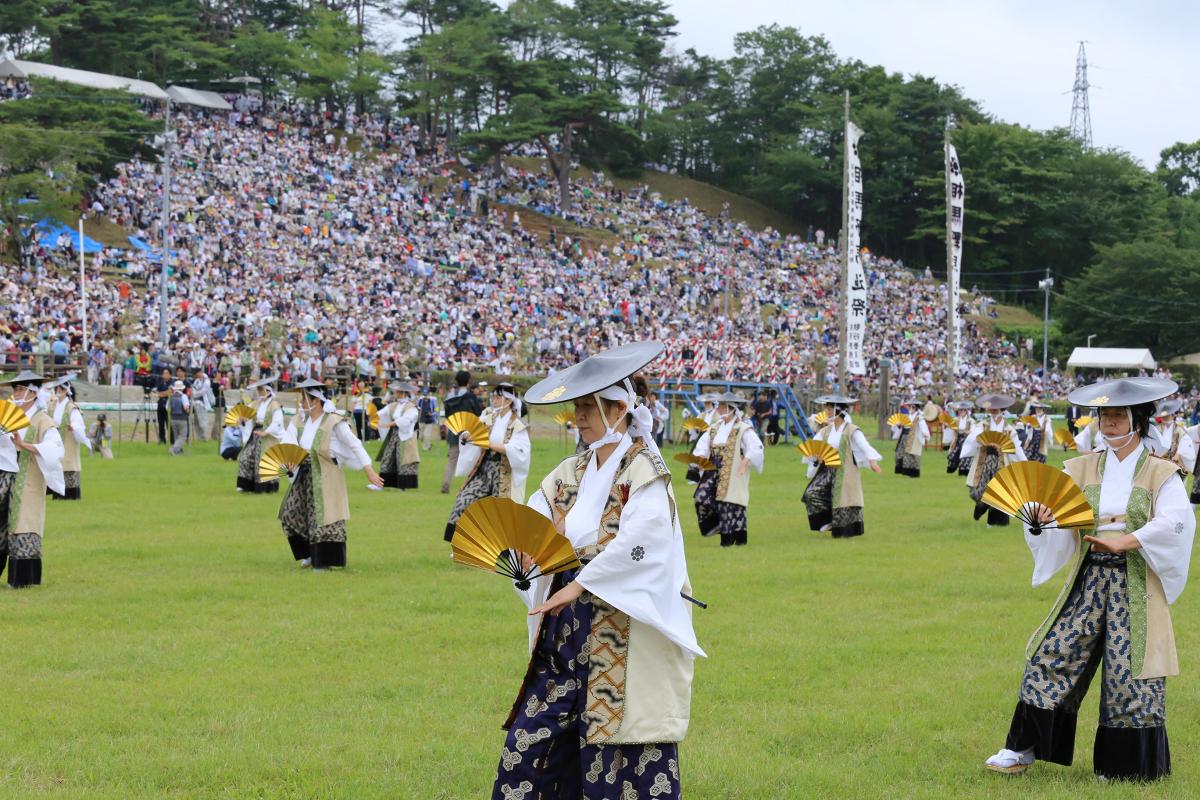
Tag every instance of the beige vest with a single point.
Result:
(912, 445)
(731, 487)
(71, 460)
(329, 482)
(410, 453)
(272, 407)
(1152, 637)
(847, 480)
(513, 491)
(644, 696)
(27, 503)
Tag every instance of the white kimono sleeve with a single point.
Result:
(1051, 551)
(947, 436)
(275, 426)
(347, 449)
(704, 446)
(406, 423)
(468, 456)
(863, 452)
(922, 430)
(643, 570)
(1186, 453)
(79, 431)
(50, 452)
(970, 447)
(517, 451)
(291, 434)
(1167, 538)
(539, 588)
(385, 419)
(752, 449)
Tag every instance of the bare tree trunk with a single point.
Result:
(564, 169)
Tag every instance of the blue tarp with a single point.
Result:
(49, 230)
(151, 253)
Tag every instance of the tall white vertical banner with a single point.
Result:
(856, 278)
(955, 199)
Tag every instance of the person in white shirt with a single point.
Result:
(68, 419)
(501, 470)
(1039, 436)
(202, 402)
(723, 494)
(910, 441)
(1123, 574)
(316, 506)
(1174, 442)
(954, 436)
(580, 729)
(987, 460)
(834, 496)
(30, 463)
(259, 432)
(399, 457)
(179, 406)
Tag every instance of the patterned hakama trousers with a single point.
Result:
(1093, 627)
(714, 516)
(546, 755)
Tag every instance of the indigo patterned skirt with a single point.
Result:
(714, 516)
(1033, 447)
(818, 501)
(484, 482)
(987, 470)
(325, 545)
(954, 457)
(1093, 628)
(906, 463)
(546, 755)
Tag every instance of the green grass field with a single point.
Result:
(176, 651)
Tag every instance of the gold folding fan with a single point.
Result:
(945, 418)
(699, 461)
(494, 532)
(238, 414)
(902, 420)
(1031, 421)
(564, 418)
(466, 422)
(820, 418)
(1064, 438)
(12, 417)
(822, 451)
(1001, 441)
(1024, 489)
(280, 459)
(695, 424)
(1083, 422)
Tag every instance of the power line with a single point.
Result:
(1122, 317)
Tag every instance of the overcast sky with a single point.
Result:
(1016, 57)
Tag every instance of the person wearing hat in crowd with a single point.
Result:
(180, 407)
(316, 506)
(1123, 574)
(399, 457)
(68, 419)
(203, 400)
(834, 496)
(1174, 443)
(723, 494)
(607, 694)
(259, 433)
(910, 441)
(987, 461)
(30, 463)
(1038, 437)
(501, 470)
(955, 435)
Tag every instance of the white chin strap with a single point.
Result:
(1117, 442)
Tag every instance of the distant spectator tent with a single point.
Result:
(1107, 358)
(13, 68)
(181, 95)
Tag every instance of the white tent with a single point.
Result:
(1112, 358)
(96, 80)
(197, 97)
